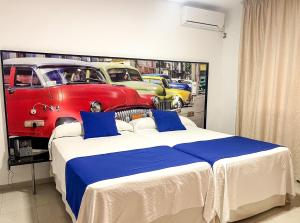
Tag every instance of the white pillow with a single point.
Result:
(68, 130)
(75, 129)
(143, 123)
(188, 123)
(123, 126)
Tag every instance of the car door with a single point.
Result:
(25, 100)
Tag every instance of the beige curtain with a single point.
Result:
(269, 85)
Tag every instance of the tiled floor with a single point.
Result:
(19, 205)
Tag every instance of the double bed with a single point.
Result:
(232, 188)
(160, 196)
(244, 185)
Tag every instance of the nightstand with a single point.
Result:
(38, 156)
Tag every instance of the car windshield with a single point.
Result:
(124, 74)
(71, 75)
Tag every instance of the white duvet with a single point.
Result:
(244, 185)
(139, 198)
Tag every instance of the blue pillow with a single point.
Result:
(167, 121)
(99, 124)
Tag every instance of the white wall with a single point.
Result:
(131, 28)
(230, 58)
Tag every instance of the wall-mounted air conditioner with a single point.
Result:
(203, 19)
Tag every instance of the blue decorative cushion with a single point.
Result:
(167, 121)
(99, 124)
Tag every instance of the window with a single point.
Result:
(26, 77)
(6, 72)
(134, 75)
(123, 74)
(53, 75)
(71, 75)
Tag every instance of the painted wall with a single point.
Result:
(230, 58)
(131, 28)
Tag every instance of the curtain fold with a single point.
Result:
(269, 82)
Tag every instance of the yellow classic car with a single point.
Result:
(180, 97)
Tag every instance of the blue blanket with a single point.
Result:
(216, 149)
(82, 171)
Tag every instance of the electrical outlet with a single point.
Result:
(34, 123)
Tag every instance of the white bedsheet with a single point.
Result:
(141, 198)
(242, 180)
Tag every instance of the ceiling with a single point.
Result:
(221, 5)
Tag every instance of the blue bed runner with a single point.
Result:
(216, 149)
(82, 171)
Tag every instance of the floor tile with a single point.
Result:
(20, 199)
(19, 216)
(51, 212)
(46, 194)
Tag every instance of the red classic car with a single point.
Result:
(42, 93)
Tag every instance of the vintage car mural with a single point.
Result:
(181, 97)
(123, 74)
(42, 93)
(172, 83)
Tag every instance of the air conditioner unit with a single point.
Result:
(203, 19)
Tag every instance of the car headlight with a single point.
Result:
(96, 106)
(155, 101)
(176, 101)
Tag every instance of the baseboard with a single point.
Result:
(26, 183)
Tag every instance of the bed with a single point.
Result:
(244, 185)
(182, 193)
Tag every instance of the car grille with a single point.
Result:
(165, 105)
(128, 114)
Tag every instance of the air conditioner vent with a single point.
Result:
(203, 19)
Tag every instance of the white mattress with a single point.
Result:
(239, 181)
(139, 198)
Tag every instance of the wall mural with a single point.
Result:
(45, 90)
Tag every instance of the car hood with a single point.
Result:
(111, 97)
(183, 93)
(144, 87)
(138, 85)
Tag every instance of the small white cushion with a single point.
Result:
(143, 123)
(75, 129)
(68, 130)
(123, 126)
(188, 123)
